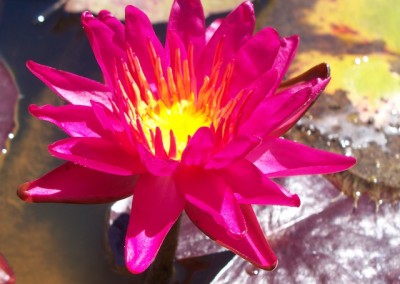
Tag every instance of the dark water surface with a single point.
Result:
(46, 243)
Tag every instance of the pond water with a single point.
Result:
(49, 243)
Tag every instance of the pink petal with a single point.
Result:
(262, 87)
(252, 246)
(154, 164)
(156, 206)
(234, 31)
(248, 62)
(187, 22)
(74, 89)
(76, 121)
(71, 183)
(285, 55)
(209, 193)
(236, 149)
(199, 148)
(107, 40)
(210, 30)
(97, 154)
(281, 158)
(114, 129)
(251, 186)
(276, 114)
(139, 34)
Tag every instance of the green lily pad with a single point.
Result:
(358, 20)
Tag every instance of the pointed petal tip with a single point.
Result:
(133, 264)
(23, 193)
(296, 200)
(272, 266)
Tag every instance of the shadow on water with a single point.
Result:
(46, 243)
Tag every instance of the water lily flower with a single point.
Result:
(194, 125)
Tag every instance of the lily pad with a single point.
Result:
(157, 10)
(331, 243)
(8, 106)
(358, 20)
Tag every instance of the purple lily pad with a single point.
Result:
(8, 104)
(328, 242)
(6, 273)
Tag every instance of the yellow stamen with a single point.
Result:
(164, 117)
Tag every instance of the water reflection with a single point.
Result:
(46, 243)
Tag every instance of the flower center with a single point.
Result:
(164, 116)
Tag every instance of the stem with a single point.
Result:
(162, 269)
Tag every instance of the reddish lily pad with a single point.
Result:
(8, 105)
(325, 242)
(157, 10)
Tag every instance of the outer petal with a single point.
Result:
(187, 22)
(107, 40)
(156, 206)
(252, 246)
(236, 149)
(97, 154)
(251, 186)
(139, 34)
(76, 121)
(248, 62)
(210, 30)
(276, 114)
(233, 31)
(281, 158)
(285, 55)
(74, 89)
(71, 183)
(209, 193)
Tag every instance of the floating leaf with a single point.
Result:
(326, 242)
(157, 10)
(359, 20)
(369, 80)
(8, 105)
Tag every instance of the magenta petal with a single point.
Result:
(251, 186)
(285, 55)
(199, 148)
(281, 158)
(217, 201)
(252, 246)
(210, 30)
(187, 22)
(139, 34)
(233, 151)
(156, 206)
(248, 66)
(74, 89)
(233, 31)
(276, 114)
(261, 88)
(156, 165)
(71, 183)
(76, 121)
(97, 154)
(107, 41)
(113, 127)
